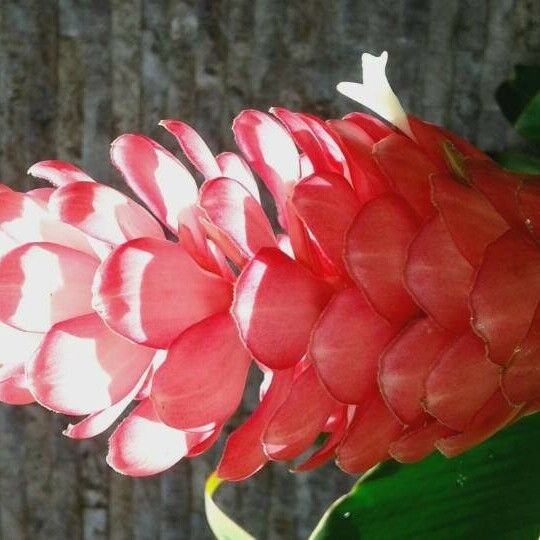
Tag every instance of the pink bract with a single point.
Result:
(396, 311)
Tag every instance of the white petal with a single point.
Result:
(375, 92)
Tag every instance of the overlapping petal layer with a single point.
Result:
(42, 283)
(103, 213)
(202, 380)
(272, 292)
(506, 293)
(142, 445)
(241, 225)
(405, 365)
(396, 312)
(327, 205)
(270, 152)
(375, 252)
(288, 433)
(438, 277)
(244, 454)
(83, 367)
(156, 177)
(138, 276)
(346, 344)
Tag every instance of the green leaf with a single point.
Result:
(519, 99)
(521, 163)
(528, 123)
(223, 527)
(492, 491)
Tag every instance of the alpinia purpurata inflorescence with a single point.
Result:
(396, 311)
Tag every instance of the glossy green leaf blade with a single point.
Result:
(517, 162)
(492, 491)
(514, 94)
(519, 99)
(528, 123)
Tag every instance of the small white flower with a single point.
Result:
(375, 92)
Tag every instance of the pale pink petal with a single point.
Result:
(43, 283)
(417, 443)
(193, 231)
(234, 166)
(375, 251)
(25, 220)
(151, 290)
(58, 173)
(146, 388)
(194, 147)
(157, 362)
(226, 245)
(142, 445)
(41, 195)
(156, 176)
(223, 267)
(98, 422)
(83, 367)
(304, 132)
(305, 247)
(202, 380)
(357, 146)
(284, 244)
(16, 348)
(374, 127)
(306, 167)
(103, 213)
(461, 382)
(271, 153)
(7, 243)
(329, 142)
(493, 416)
(238, 215)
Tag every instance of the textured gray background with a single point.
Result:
(74, 74)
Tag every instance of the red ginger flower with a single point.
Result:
(413, 296)
(396, 313)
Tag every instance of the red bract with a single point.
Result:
(397, 311)
(429, 335)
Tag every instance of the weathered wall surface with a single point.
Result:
(76, 73)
